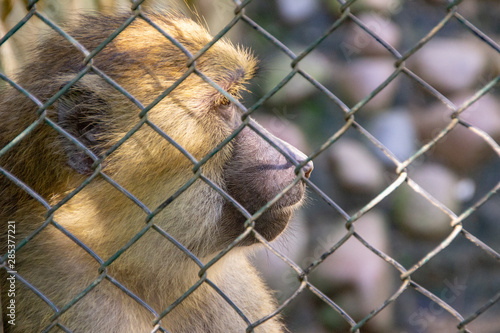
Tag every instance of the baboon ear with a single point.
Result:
(80, 112)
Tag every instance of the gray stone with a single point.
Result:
(281, 127)
(386, 7)
(395, 130)
(360, 42)
(298, 10)
(461, 149)
(356, 265)
(364, 75)
(356, 167)
(298, 88)
(416, 214)
(448, 64)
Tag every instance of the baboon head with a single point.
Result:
(163, 144)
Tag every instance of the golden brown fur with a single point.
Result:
(196, 116)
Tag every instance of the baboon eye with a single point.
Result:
(226, 108)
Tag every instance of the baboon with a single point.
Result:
(65, 258)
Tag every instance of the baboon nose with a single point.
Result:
(308, 168)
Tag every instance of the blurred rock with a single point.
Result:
(356, 168)
(386, 7)
(467, 8)
(449, 65)
(416, 214)
(438, 2)
(396, 131)
(364, 75)
(493, 59)
(359, 41)
(298, 11)
(461, 149)
(465, 189)
(284, 129)
(298, 88)
(356, 265)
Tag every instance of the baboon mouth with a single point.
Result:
(274, 220)
(292, 198)
(270, 224)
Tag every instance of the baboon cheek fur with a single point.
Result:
(198, 117)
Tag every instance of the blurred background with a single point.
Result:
(458, 171)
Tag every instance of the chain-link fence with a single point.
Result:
(416, 300)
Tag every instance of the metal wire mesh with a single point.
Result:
(457, 225)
